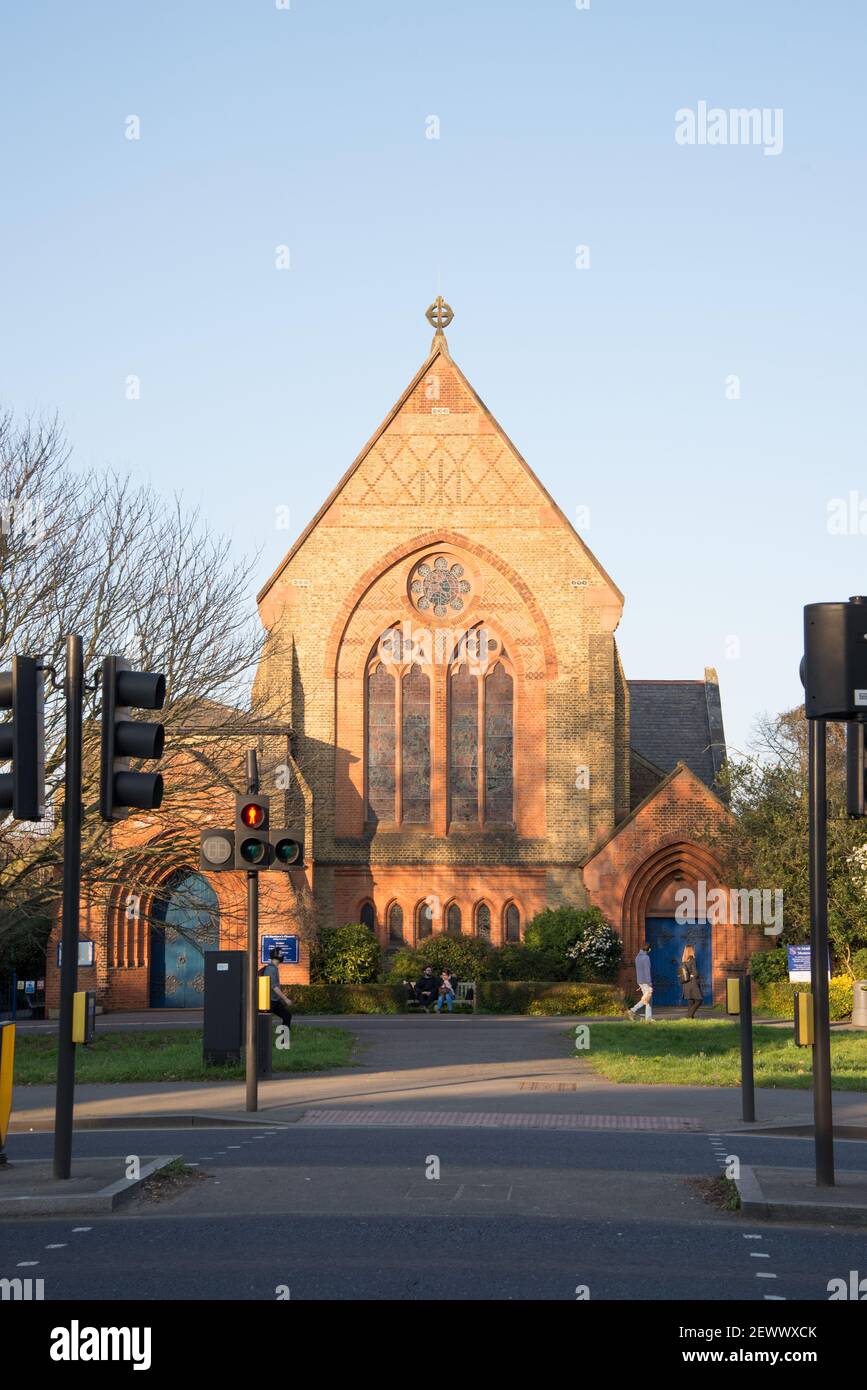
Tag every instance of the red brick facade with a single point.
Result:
(410, 793)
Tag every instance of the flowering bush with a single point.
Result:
(598, 950)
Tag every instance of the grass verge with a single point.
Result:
(706, 1052)
(175, 1055)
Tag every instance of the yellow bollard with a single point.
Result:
(803, 1019)
(733, 996)
(7, 1069)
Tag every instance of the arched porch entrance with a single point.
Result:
(650, 911)
(185, 922)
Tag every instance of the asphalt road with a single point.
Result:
(349, 1213)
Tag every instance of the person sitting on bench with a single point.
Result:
(427, 988)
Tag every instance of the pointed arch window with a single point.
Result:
(498, 745)
(453, 920)
(381, 744)
(464, 744)
(415, 746)
(481, 732)
(397, 734)
(512, 923)
(483, 921)
(395, 924)
(367, 916)
(424, 920)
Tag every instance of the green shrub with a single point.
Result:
(769, 967)
(347, 999)
(575, 943)
(401, 965)
(348, 955)
(555, 929)
(514, 962)
(777, 998)
(859, 964)
(538, 997)
(467, 957)
(597, 953)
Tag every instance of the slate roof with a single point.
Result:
(678, 721)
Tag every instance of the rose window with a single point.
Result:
(439, 587)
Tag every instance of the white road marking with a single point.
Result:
(762, 1274)
(81, 1228)
(26, 1264)
(60, 1246)
(759, 1255)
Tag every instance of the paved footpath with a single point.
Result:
(462, 1066)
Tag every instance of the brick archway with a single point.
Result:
(680, 859)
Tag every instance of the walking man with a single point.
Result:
(645, 984)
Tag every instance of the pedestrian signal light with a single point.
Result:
(252, 844)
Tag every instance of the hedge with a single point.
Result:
(777, 998)
(346, 999)
(534, 997)
(538, 997)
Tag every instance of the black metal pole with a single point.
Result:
(251, 1056)
(823, 1119)
(65, 1099)
(748, 1090)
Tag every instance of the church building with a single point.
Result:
(466, 747)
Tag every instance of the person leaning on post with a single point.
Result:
(281, 1004)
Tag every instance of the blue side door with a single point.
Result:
(667, 939)
(184, 924)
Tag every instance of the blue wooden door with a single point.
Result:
(667, 939)
(184, 924)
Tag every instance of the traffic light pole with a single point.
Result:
(65, 1098)
(823, 1121)
(252, 955)
(748, 1089)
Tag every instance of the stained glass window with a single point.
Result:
(381, 745)
(395, 923)
(439, 586)
(483, 921)
(424, 920)
(498, 745)
(368, 916)
(464, 746)
(415, 747)
(453, 920)
(513, 923)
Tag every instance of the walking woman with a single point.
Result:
(690, 981)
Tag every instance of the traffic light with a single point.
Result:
(124, 690)
(22, 791)
(287, 849)
(834, 668)
(216, 850)
(252, 840)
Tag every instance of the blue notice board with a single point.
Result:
(287, 945)
(799, 963)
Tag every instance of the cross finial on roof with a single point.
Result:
(439, 315)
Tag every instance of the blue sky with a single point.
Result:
(306, 127)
